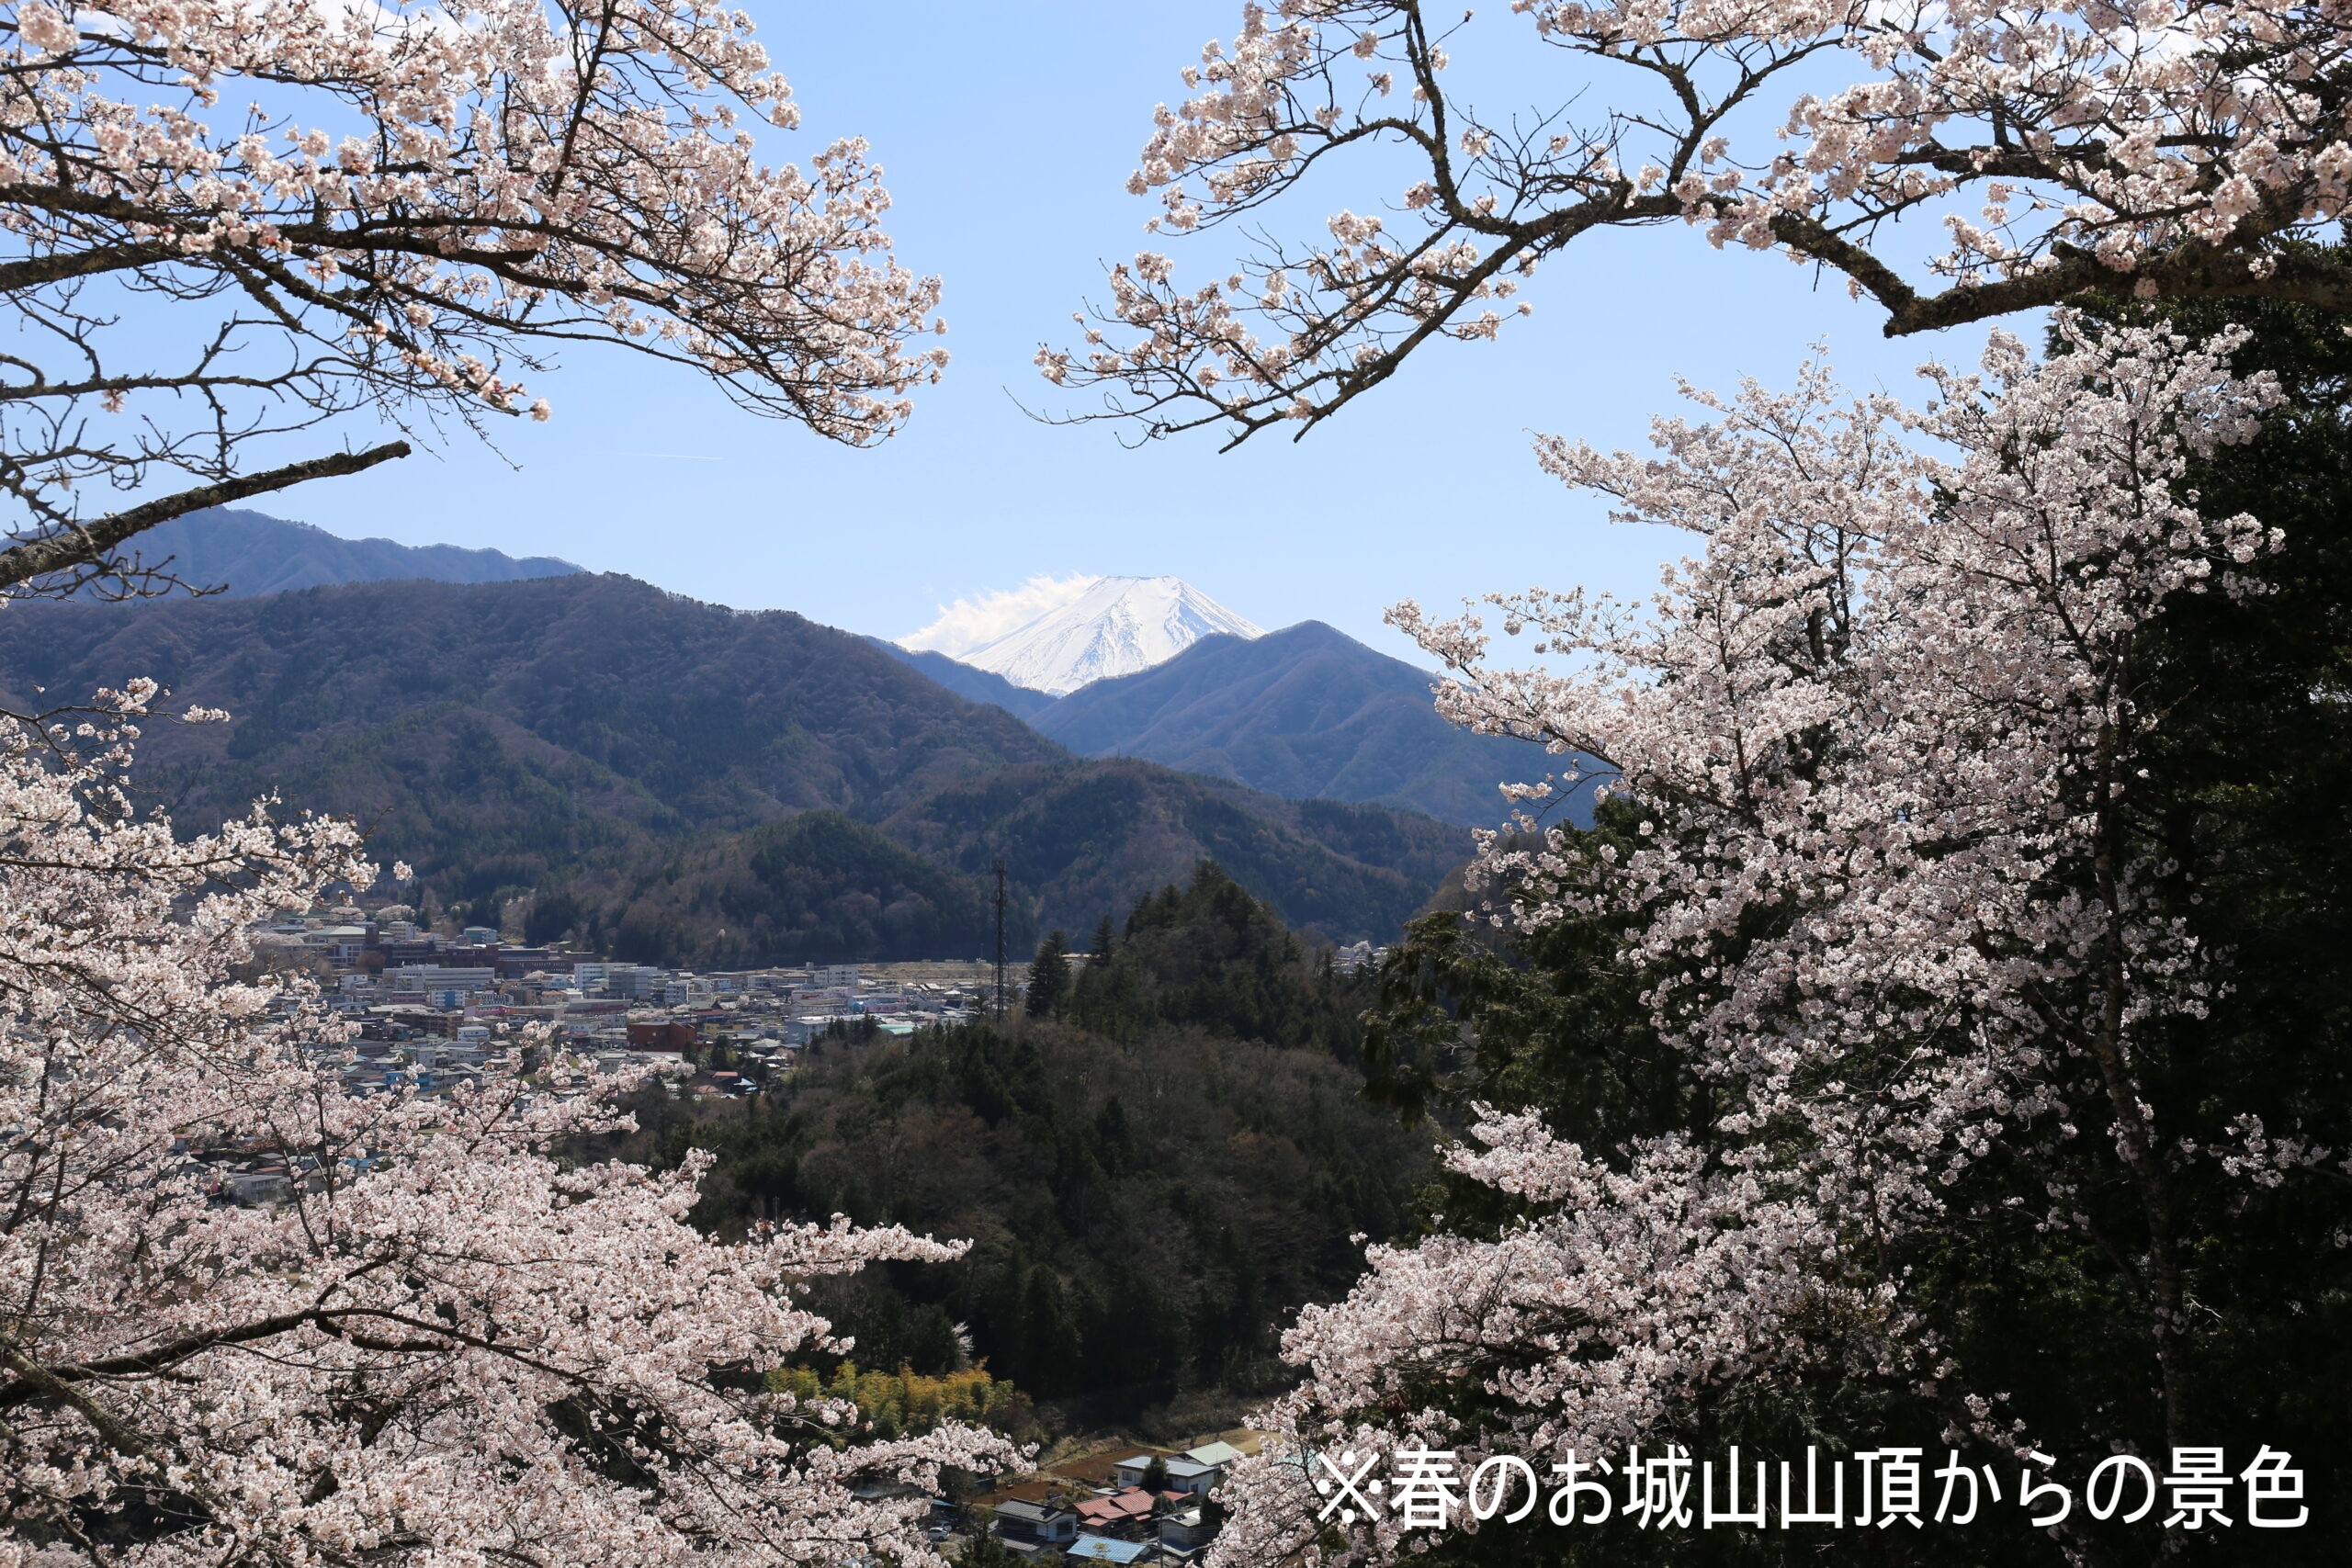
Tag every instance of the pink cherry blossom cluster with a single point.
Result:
(1869, 753)
(408, 206)
(444, 1345)
(2163, 146)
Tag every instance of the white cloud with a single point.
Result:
(974, 623)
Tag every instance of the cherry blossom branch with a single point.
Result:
(502, 176)
(2182, 160)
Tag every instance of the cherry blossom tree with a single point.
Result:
(2176, 151)
(440, 1342)
(1875, 758)
(228, 222)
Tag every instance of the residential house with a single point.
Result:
(1038, 1524)
(1121, 1513)
(1189, 1475)
(1185, 1531)
(1185, 1473)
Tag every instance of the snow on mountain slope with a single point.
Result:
(1116, 627)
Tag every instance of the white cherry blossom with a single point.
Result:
(223, 219)
(446, 1342)
(2177, 150)
(1872, 751)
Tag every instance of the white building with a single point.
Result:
(435, 976)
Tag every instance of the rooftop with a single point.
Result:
(1133, 1502)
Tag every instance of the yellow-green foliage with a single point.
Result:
(902, 1402)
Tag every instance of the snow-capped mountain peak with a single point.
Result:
(1117, 626)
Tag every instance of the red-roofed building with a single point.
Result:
(1130, 1506)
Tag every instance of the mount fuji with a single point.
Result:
(1117, 626)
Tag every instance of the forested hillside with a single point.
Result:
(1306, 712)
(819, 885)
(1156, 1173)
(1075, 837)
(599, 747)
(1094, 835)
(966, 681)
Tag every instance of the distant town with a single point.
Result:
(431, 1007)
(434, 1008)
(443, 999)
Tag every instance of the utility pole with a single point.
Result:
(999, 869)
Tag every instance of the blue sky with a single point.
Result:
(1008, 131)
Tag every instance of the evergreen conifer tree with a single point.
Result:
(1048, 977)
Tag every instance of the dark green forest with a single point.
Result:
(1075, 837)
(1155, 1172)
(820, 886)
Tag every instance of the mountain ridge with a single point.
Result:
(249, 555)
(967, 681)
(582, 732)
(1305, 712)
